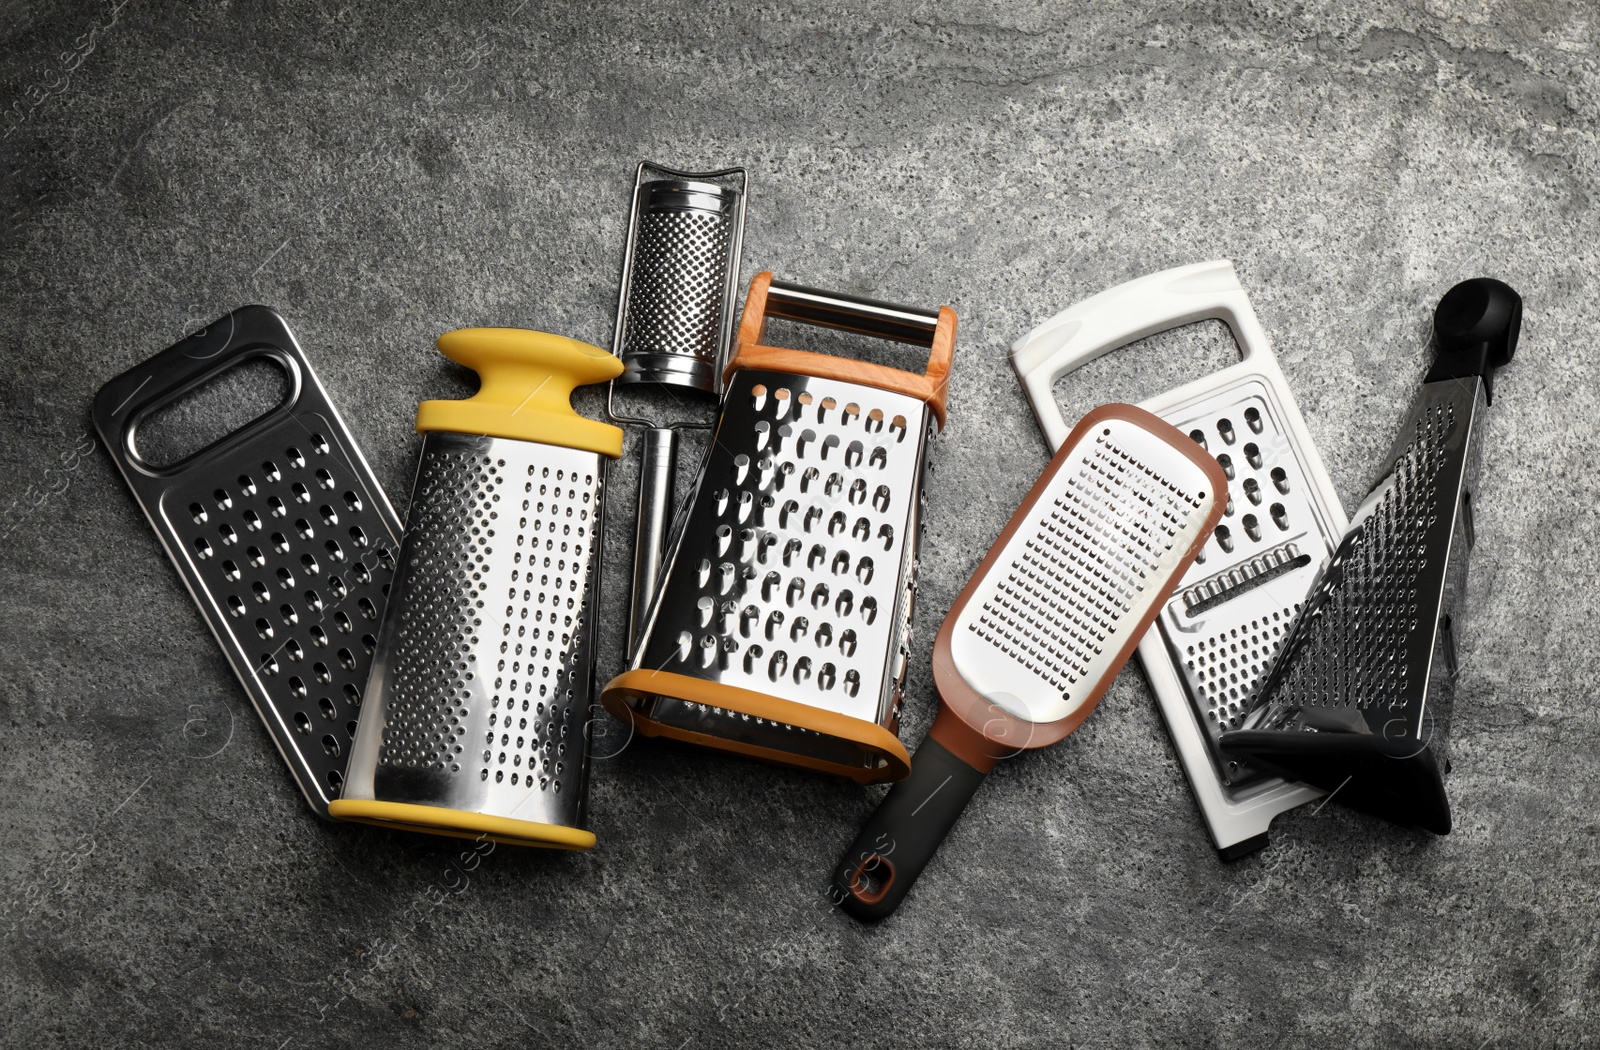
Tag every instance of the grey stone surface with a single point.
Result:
(384, 173)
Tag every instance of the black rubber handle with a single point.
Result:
(883, 863)
(1476, 326)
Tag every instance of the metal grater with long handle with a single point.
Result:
(1361, 697)
(781, 627)
(280, 533)
(1217, 636)
(482, 682)
(1040, 631)
(680, 278)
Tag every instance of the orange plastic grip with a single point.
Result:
(931, 386)
(625, 694)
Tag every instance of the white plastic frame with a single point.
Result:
(1238, 820)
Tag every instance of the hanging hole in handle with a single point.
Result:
(200, 415)
(1146, 367)
(871, 880)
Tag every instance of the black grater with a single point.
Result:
(1361, 697)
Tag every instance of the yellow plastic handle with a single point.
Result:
(525, 390)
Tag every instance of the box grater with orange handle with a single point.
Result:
(781, 625)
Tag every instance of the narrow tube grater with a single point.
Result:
(781, 626)
(1216, 638)
(279, 531)
(1036, 637)
(1361, 696)
(680, 282)
(477, 713)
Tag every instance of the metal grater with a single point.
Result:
(1230, 613)
(483, 677)
(781, 626)
(279, 531)
(1077, 568)
(1037, 636)
(1361, 698)
(680, 276)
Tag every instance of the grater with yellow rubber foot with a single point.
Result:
(481, 684)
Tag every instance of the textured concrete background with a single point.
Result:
(383, 173)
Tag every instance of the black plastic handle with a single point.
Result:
(894, 846)
(1476, 326)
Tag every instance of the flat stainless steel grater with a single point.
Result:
(483, 680)
(781, 625)
(279, 531)
(680, 281)
(1036, 637)
(1360, 699)
(1216, 638)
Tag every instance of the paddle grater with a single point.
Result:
(1361, 697)
(1217, 636)
(680, 276)
(279, 531)
(781, 627)
(476, 723)
(1040, 631)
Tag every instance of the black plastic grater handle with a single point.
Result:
(896, 843)
(1476, 326)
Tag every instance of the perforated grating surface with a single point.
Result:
(1059, 603)
(289, 547)
(1351, 650)
(680, 272)
(487, 664)
(1232, 611)
(794, 575)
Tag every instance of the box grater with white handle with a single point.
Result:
(781, 626)
(1216, 638)
(477, 712)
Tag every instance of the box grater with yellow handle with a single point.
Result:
(781, 625)
(475, 717)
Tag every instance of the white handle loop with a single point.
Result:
(1118, 316)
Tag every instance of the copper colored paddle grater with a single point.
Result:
(781, 625)
(1360, 698)
(482, 681)
(1041, 630)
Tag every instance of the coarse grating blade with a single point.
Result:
(1216, 637)
(280, 532)
(1361, 697)
(1042, 628)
